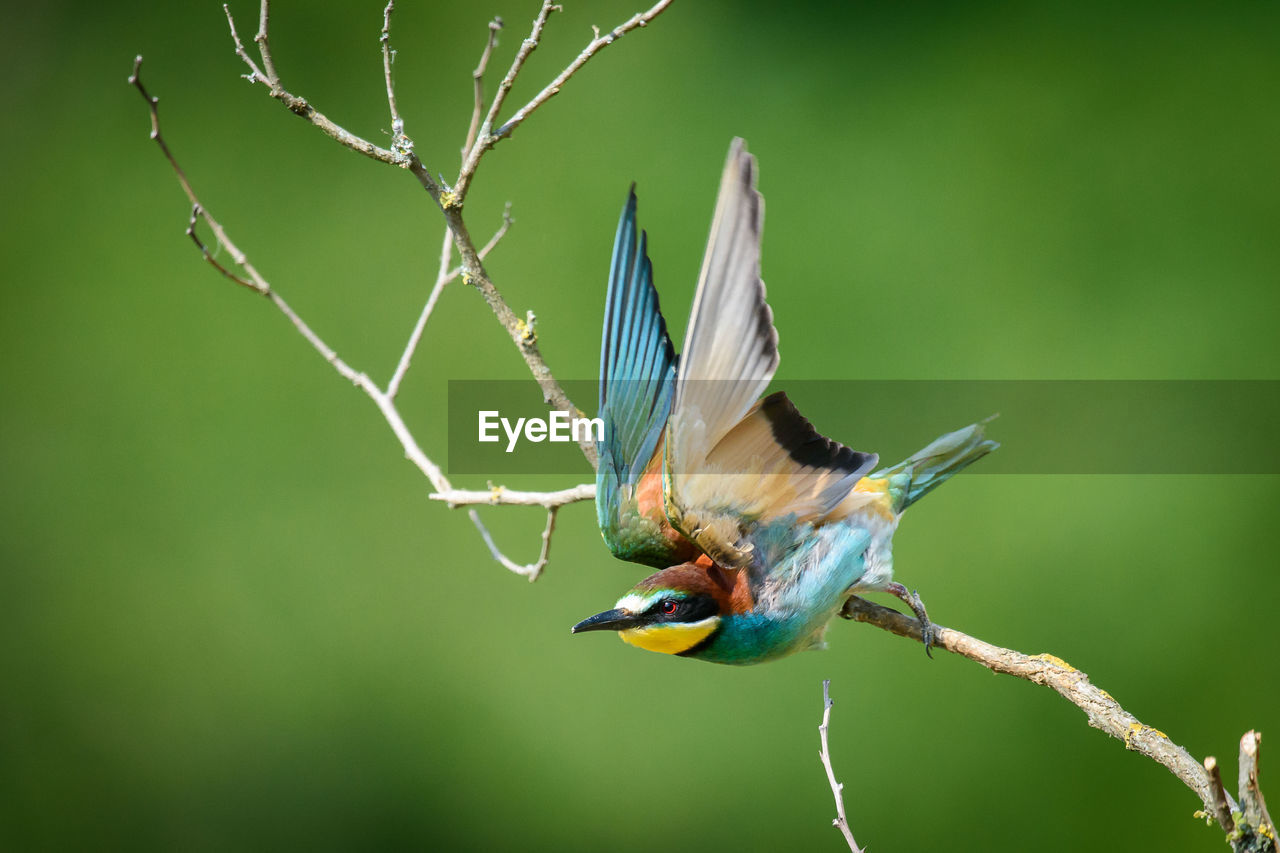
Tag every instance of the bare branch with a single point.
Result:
(499, 234)
(1248, 827)
(404, 157)
(507, 222)
(484, 140)
(256, 74)
(473, 272)
(1103, 711)
(1255, 829)
(531, 570)
(502, 495)
(1221, 807)
(521, 331)
(259, 284)
(596, 45)
(388, 57)
(264, 48)
(841, 822)
(480, 137)
(153, 104)
(255, 279)
(478, 77)
(488, 137)
(443, 277)
(384, 400)
(196, 212)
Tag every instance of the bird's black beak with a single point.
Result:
(610, 620)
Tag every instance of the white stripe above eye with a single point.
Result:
(636, 602)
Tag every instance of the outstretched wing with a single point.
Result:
(637, 377)
(736, 464)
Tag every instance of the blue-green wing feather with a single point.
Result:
(637, 377)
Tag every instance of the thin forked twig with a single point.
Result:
(597, 44)
(196, 212)
(477, 77)
(527, 46)
(488, 137)
(531, 570)
(402, 156)
(841, 822)
(264, 47)
(480, 137)
(382, 399)
(507, 222)
(444, 277)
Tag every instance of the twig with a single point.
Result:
(1255, 831)
(499, 234)
(477, 77)
(600, 42)
(531, 570)
(153, 104)
(487, 136)
(384, 400)
(196, 212)
(507, 222)
(483, 140)
(841, 822)
(255, 280)
(256, 74)
(264, 48)
(502, 495)
(472, 267)
(443, 277)
(1221, 807)
(1103, 712)
(520, 330)
(388, 56)
(480, 137)
(403, 157)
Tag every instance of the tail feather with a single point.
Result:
(926, 469)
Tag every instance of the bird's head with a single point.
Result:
(674, 611)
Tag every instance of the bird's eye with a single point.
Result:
(669, 606)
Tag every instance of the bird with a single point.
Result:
(760, 527)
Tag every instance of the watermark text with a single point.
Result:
(559, 427)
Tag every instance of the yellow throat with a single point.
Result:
(670, 638)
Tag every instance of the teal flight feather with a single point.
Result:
(637, 379)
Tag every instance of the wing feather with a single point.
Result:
(736, 464)
(637, 379)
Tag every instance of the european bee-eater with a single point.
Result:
(762, 528)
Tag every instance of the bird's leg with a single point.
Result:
(912, 598)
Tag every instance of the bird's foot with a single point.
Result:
(912, 598)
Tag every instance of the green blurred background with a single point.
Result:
(231, 619)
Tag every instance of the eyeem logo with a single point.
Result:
(560, 427)
(1193, 426)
